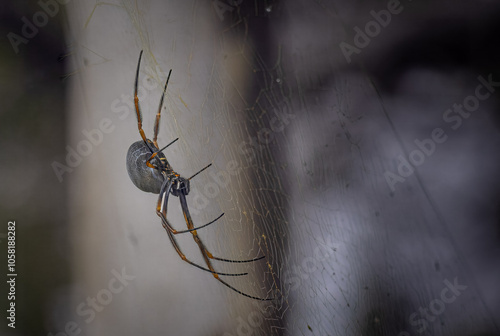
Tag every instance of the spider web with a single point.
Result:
(299, 142)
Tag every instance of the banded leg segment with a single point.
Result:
(136, 102)
(167, 185)
(158, 115)
(183, 257)
(205, 253)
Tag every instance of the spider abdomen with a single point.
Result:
(145, 178)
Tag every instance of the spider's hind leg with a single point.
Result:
(233, 261)
(183, 257)
(207, 255)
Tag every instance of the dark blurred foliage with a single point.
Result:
(32, 136)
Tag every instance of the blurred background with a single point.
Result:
(354, 143)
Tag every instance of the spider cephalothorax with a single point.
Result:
(150, 171)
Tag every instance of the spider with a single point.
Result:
(150, 171)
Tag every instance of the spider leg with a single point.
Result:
(148, 161)
(136, 102)
(167, 185)
(162, 212)
(183, 257)
(210, 254)
(191, 226)
(158, 115)
(240, 292)
(204, 250)
(199, 171)
(171, 142)
(234, 261)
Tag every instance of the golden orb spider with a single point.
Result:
(150, 171)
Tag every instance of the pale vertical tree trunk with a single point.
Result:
(115, 226)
